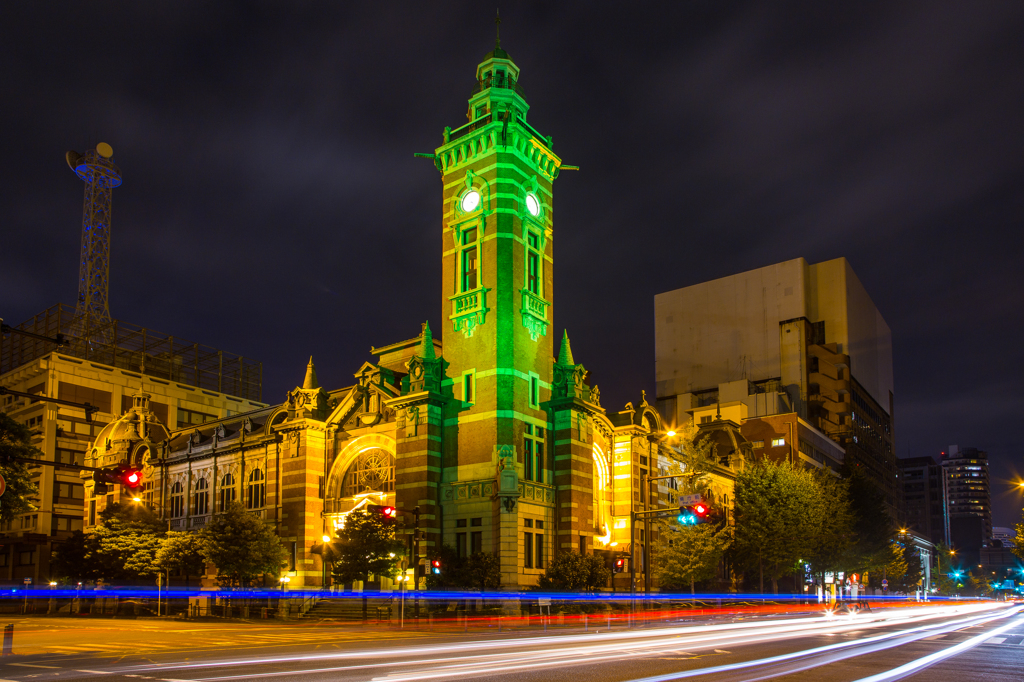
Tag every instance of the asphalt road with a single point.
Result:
(934, 643)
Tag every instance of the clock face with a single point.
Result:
(532, 205)
(470, 201)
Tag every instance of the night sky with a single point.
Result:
(272, 206)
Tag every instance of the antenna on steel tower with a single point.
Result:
(101, 175)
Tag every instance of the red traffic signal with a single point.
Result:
(700, 509)
(131, 478)
(383, 510)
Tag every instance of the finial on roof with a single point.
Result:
(497, 29)
(310, 380)
(427, 343)
(565, 352)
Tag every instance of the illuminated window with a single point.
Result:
(256, 494)
(201, 498)
(533, 265)
(227, 491)
(469, 260)
(373, 470)
(778, 442)
(177, 500)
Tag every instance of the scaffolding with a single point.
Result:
(136, 349)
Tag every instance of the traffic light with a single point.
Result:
(122, 474)
(383, 510)
(620, 566)
(435, 567)
(692, 514)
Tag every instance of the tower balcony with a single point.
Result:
(535, 314)
(469, 309)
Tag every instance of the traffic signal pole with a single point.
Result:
(647, 515)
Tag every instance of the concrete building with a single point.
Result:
(924, 502)
(187, 385)
(804, 338)
(968, 499)
(500, 442)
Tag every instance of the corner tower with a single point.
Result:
(497, 304)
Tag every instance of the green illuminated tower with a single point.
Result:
(497, 240)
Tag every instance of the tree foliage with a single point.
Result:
(479, 571)
(69, 562)
(21, 493)
(366, 546)
(873, 526)
(690, 554)
(774, 514)
(124, 544)
(242, 546)
(693, 458)
(574, 572)
(182, 552)
(831, 525)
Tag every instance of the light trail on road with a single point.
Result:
(480, 658)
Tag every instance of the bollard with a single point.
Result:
(586, 627)
(8, 639)
(499, 623)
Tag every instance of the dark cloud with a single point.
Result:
(272, 206)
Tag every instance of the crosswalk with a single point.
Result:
(1014, 639)
(237, 641)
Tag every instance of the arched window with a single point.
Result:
(256, 495)
(177, 500)
(372, 470)
(227, 491)
(201, 498)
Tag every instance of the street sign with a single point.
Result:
(687, 500)
(885, 583)
(3, 485)
(28, 581)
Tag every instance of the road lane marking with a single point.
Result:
(33, 665)
(925, 661)
(995, 640)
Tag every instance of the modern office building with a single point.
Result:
(924, 502)
(189, 384)
(968, 500)
(805, 338)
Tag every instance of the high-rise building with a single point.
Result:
(923, 497)
(808, 340)
(968, 501)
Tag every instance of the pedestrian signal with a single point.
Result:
(435, 566)
(620, 566)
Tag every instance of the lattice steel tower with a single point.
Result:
(101, 176)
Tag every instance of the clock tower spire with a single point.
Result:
(497, 250)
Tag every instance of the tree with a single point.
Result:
(1018, 548)
(242, 546)
(124, 544)
(832, 525)
(367, 546)
(873, 526)
(774, 503)
(182, 552)
(910, 578)
(574, 572)
(693, 459)
(68, 562)
(16, 441)
(479, 571)
(692, 554)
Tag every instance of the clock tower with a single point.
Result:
(497, 303)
